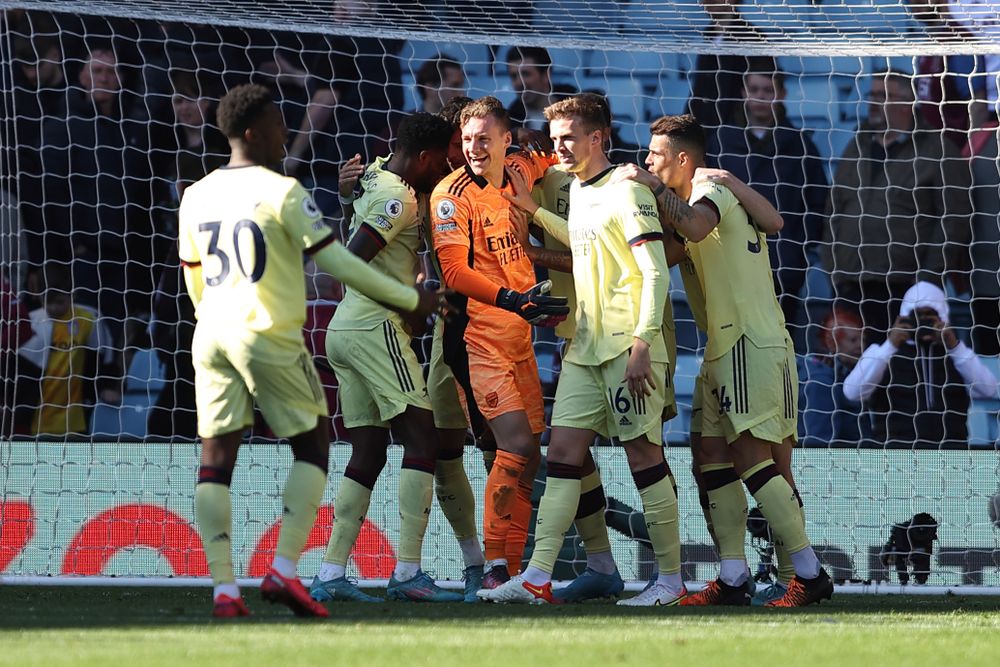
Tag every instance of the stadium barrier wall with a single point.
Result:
(112, 510)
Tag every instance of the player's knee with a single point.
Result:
(371, 460)
(643, 454)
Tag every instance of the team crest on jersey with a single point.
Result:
(393, 208)
(310, 209)
(445, 209)
(492, 399)
(382, 223)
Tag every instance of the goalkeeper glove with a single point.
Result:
(535, 305)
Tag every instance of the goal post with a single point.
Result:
(92, 172)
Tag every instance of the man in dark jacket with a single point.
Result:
(781, 162)
(101, 198)
(899, 208)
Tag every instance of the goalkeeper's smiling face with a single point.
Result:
(485, 143)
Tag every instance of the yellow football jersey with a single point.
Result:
(389, 211)
(248, 228)
(695, 295)
(552, 193)
(613, 229)
(735, 275)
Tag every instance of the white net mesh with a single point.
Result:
(94, 157)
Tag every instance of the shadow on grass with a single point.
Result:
(121, 608)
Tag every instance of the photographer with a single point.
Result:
(924, 398)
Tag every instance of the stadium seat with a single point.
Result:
(475, 58)
(143, 384)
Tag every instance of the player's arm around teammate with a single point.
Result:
(747, 428)
(243, 232)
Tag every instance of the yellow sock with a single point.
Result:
(727, 505)
(454, 494)
(659, 506)
(213, 514)
(786, 570)
(589, 519)
(349, 511)
(555, 514)
(416, 493)
(778, 504)
(303, 492)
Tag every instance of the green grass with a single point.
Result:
(143, 627)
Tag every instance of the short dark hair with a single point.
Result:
(423, 131)
(432, 71)
(592, 112)
(487, 106)
(452, 111)
(684, 130)
(241, 107)
(538, 54)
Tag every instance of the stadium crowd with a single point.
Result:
(114, 118)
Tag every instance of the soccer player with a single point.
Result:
(452, 486)
(749, 385)
(381, 381)
(243, 232)
(481, 259)
(614, 372)
(601, 578)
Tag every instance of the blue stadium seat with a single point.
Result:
(143, 384)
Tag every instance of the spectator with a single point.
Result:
(18, 376)
(827, 416)
(918, 383)
(530, 71)
(951, 90)
(100, 199)
(439, 80)
(985, 246)
(781, 162)
(70, 346)
(899, 208)
(717, 80)
(39, 93)
(200, 148)
(355, 91)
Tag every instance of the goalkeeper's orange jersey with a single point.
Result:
(479, 253)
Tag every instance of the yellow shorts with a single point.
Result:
(597, 398)
(751, 389)
(696, 406)
(441, 386)
(378, 374)
(228, 380)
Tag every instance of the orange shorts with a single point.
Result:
(501, 385)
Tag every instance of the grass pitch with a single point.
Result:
(171, 626)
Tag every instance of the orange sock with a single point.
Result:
(517, 537)
(500, 501)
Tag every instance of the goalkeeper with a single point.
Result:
(481, 259)
(243, 232)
